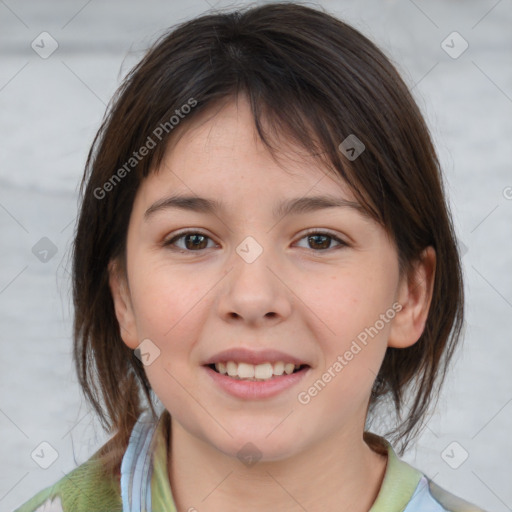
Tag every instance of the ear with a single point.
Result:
(414, 294)
(122, 304)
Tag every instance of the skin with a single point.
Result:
(297, 296)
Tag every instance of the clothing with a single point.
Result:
(143, 485)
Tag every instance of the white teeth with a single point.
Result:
(245, 371)
(279, 368)
(288, 368)
(263, 371)
(248, 371)
(232, 368)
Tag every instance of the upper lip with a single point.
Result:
(243, 355)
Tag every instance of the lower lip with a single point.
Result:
(251, 390)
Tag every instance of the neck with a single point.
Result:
(340, 474)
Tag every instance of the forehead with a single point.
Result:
(220, 151)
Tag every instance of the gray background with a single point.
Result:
(50, 110)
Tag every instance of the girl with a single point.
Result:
(264, 246)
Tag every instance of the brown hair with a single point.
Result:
(317, 80)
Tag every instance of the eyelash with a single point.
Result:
(169, 243)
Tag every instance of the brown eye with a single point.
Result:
(192, 241)
(320, 241)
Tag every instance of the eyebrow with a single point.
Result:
(295, 206)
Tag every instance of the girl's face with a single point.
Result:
(252, 262)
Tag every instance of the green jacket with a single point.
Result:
(88, 488)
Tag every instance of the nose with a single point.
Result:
(255, 293)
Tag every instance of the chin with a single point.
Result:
(251, 438)
(251, 447)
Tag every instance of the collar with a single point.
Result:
(145, 482)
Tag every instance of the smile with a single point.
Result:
(255, 373)
(253, 388)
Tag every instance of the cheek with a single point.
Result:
(350, 300)
(168, 312)
(165, 301)
(354, 309)
(170, 309)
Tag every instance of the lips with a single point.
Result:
(254, 388)
(243, 355)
